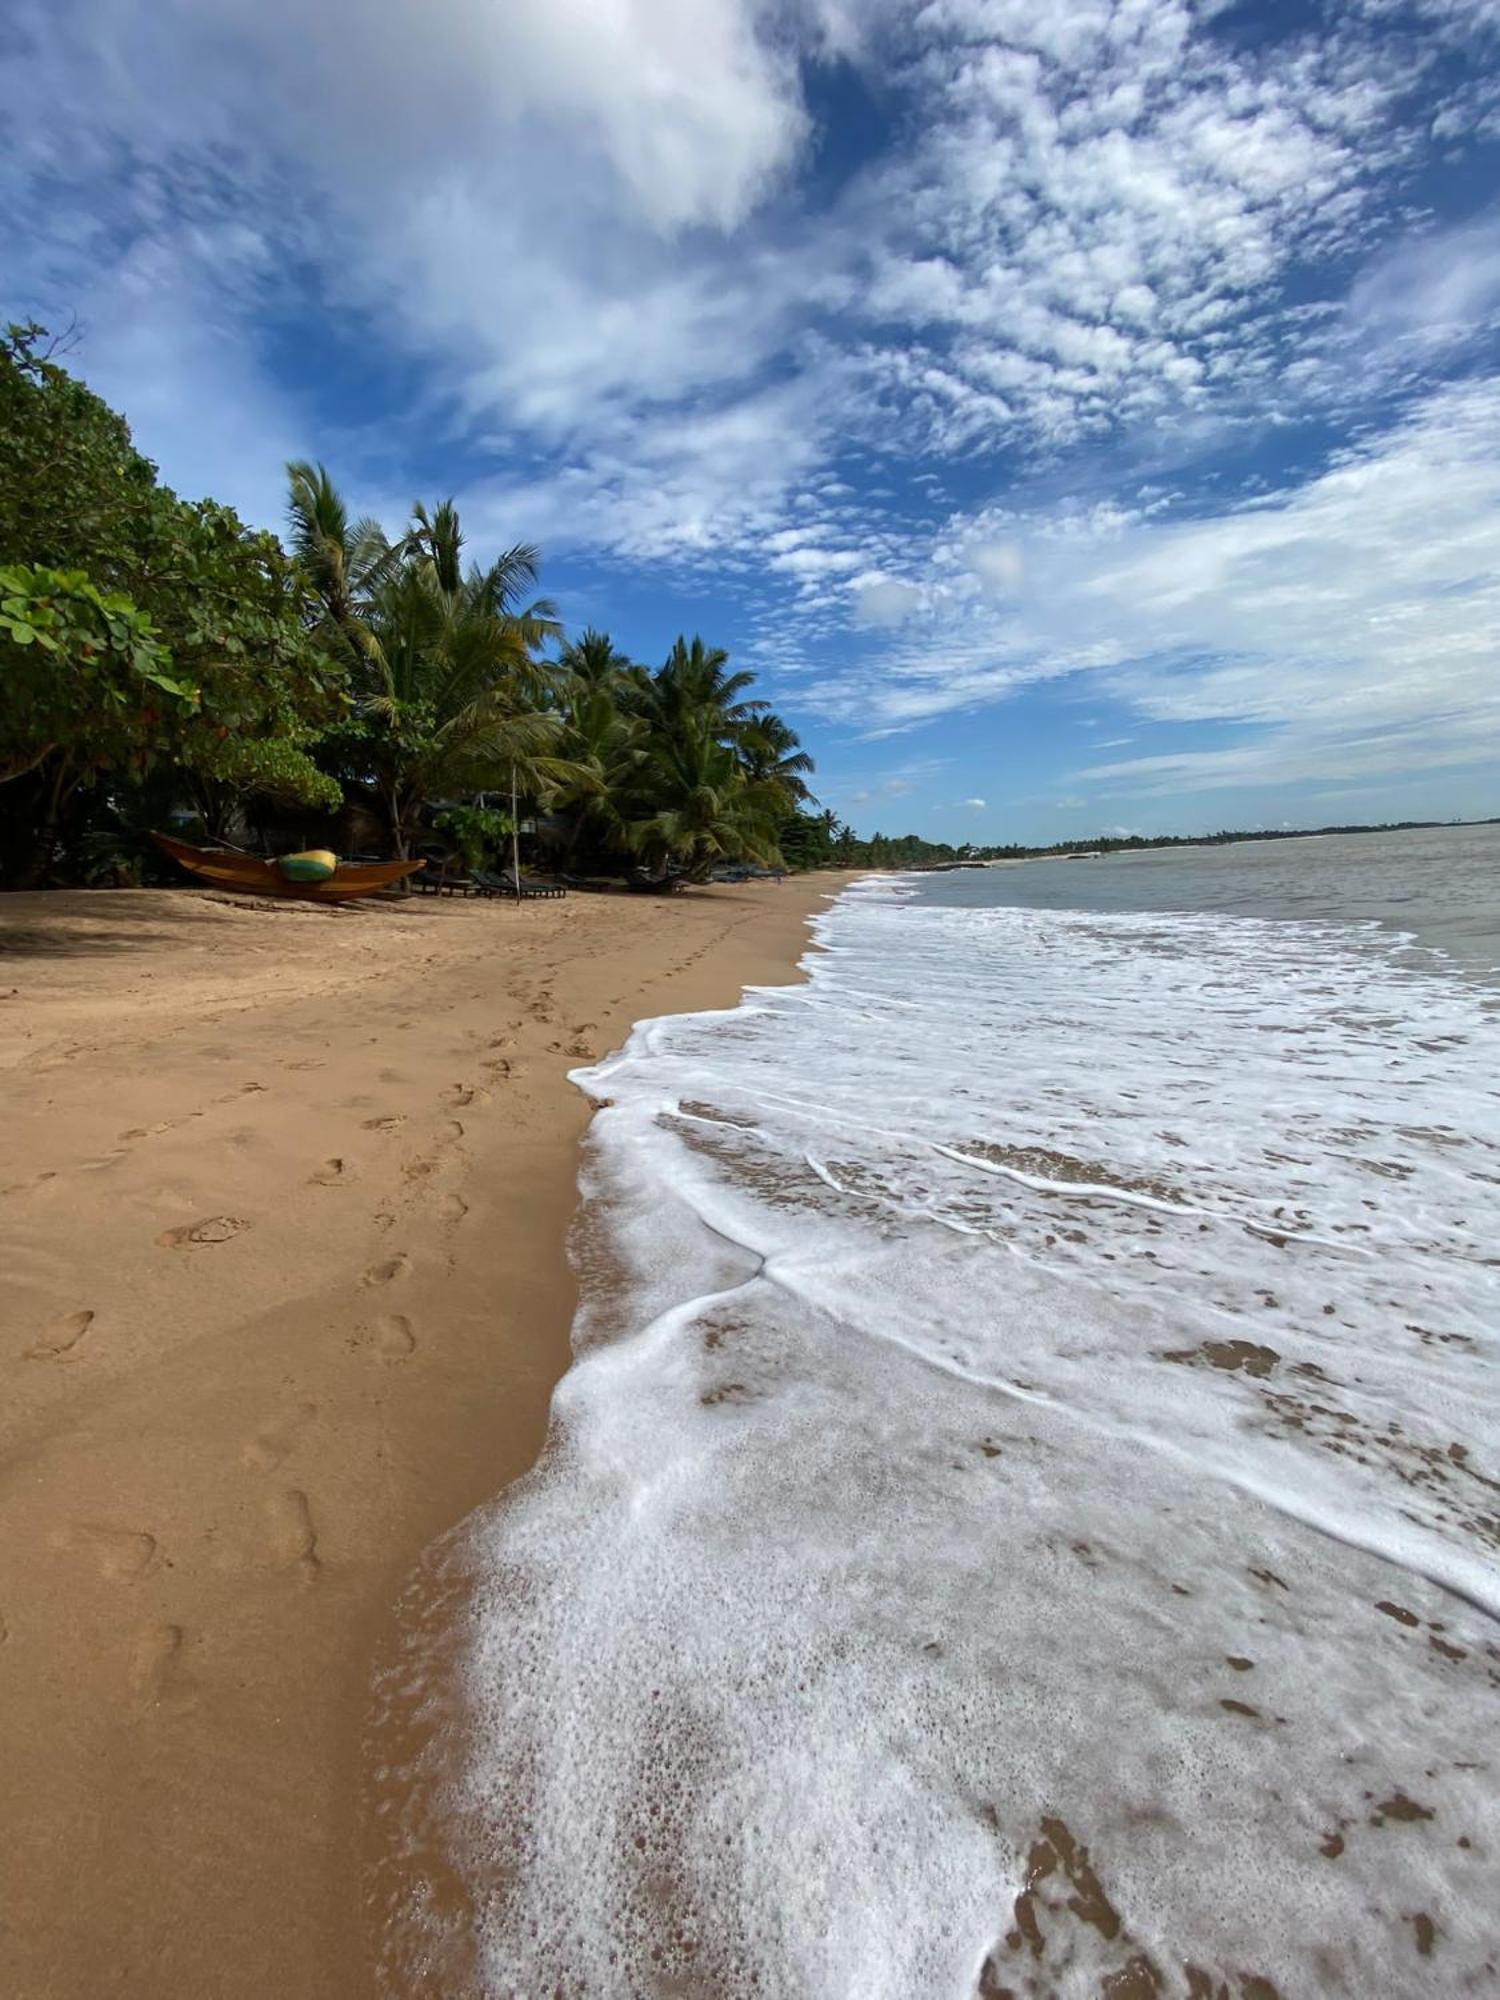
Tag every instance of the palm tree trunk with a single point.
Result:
(397, 821)
(395, 807)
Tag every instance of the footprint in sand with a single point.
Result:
(394, 1339)
(275, 1440)
(122, 1554)
(212, 1229)
(382, 1124)
(452, 1208)
(389, 1270)
(156, 1672)
(152, 1131)
(61, 1337)
(460, 1095)
(291, 1538)
(332, 1173)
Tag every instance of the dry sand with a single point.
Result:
(284, 1193)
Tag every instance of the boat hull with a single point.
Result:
(254, 877)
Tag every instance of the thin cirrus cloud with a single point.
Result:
(1357, 609)
(931, 401)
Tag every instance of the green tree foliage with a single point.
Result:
(593, 660)
(156, 653)
(822, 840)
(84, 674)
(207, 616)
(680, 770)
(71, 482)
(451, 692)
(477, 832)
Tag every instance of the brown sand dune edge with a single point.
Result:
(284, 1194)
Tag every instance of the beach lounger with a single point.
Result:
(442, 880)
(490, 884)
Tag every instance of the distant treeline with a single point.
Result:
(1225, 837)
(823, 841)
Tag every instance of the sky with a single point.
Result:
(1084, 415)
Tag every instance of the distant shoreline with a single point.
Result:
(1094, 850)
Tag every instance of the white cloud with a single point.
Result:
(1348, 622)
(1428, 297)
(997, 564)
(1108, 191)
(538, 202)
(578, 214)
(884, 600)
(581, 236)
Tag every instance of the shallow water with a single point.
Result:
(1439, 885)
(1024, 1517)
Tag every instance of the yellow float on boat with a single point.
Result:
(315, 864)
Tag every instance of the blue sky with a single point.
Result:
(1083, 413)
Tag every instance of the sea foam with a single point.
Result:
(1023, 1516)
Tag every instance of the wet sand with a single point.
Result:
(284, 1195)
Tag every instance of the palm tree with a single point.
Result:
(343, 563)
(451, 694)
(700, 806)
(457, 698)
(605, 746)
(593, 660)
(696, 678)
(772, 753)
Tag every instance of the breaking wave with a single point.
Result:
(1023, 1517)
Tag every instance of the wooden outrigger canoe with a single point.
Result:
(253, 876)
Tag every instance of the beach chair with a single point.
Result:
(490, 884)
(446, 880)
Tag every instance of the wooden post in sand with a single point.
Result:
(515, 836)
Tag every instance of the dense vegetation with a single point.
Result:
(138, 633)
(161, 662)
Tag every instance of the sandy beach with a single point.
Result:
(285, 1195)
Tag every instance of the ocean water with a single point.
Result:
(1024, 1516)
